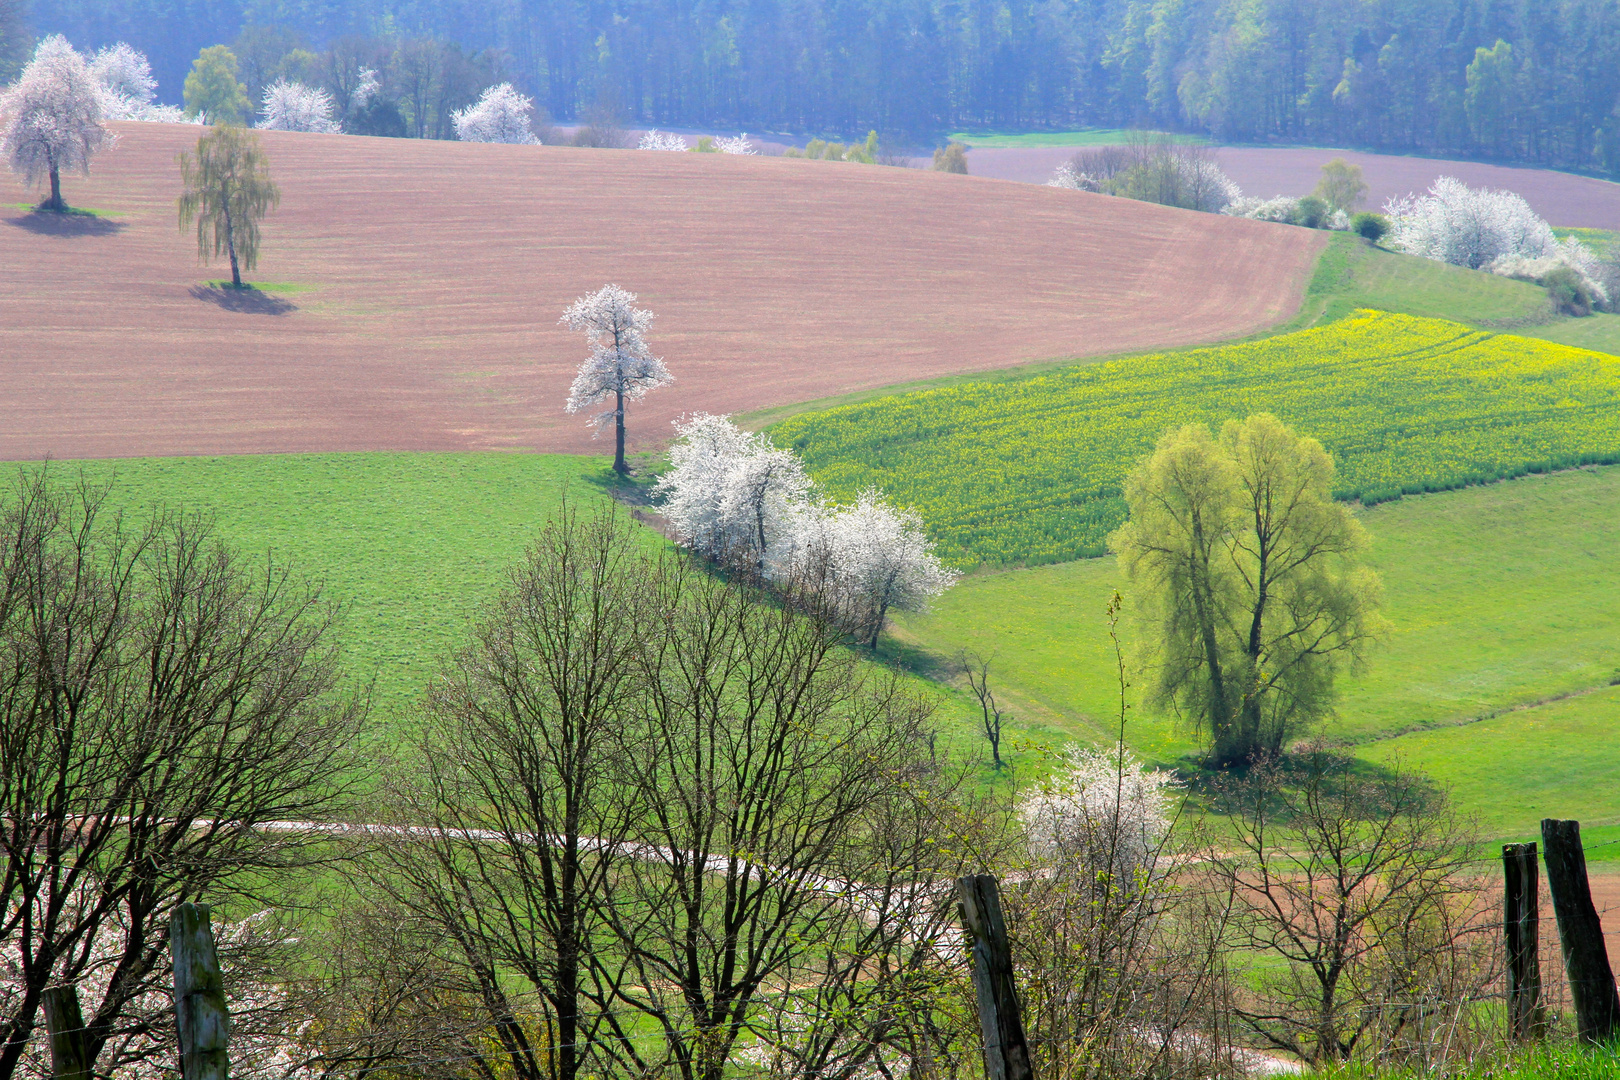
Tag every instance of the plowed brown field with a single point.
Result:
(433, 275)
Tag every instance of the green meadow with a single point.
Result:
(1496, 677)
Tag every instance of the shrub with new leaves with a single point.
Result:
(501, 115)
(292, 106)
(621, 367)
(53, 119)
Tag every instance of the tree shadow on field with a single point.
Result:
(69, 223)
(245, 301)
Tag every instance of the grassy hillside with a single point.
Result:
(1030, 470)
(1505, 602)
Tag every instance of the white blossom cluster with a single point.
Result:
(52, 114)
(621, 367)
(501, 115)
(1101, 811)
(292, 106)
(661, 140)
(1069, 178)
(264, 1044)
(128, 89)
(735, 497)
(739, 145)
(1281, 208)
(669, 141)
(1484, 229)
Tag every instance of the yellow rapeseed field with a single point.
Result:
(1029, 471)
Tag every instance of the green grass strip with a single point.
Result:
(1030, 471)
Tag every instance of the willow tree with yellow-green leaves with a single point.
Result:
(227, 190)
(1248, 581)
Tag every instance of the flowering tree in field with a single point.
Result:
(621, 367)
(1466, 226)
(53, 118)
(661, 140)
(501, 115)
(1101, 809)
(739, 145)
(292, 106)
(734, 496)
(881, 561)
(128, 88)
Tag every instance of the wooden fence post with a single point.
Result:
(1580, 933)
(199, 996)
(70, 1042)
(1521, 917)
(1006, 1053)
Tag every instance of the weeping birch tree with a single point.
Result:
(1249, 581)
(621, 367)
(227, 190)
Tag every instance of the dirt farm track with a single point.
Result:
(426, 279)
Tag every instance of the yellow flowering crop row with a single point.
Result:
(1030, 471)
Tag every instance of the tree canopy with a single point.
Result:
(227, 190)
(1248, 581)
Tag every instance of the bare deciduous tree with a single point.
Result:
(1358, 885)
(977, 669)
(516, 818)
(159, 703)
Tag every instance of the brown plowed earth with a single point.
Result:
(437, 272)
(1561, 198)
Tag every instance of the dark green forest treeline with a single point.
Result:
(1526, 80)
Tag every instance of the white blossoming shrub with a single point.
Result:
(735, 497)
(661, 140)
(1067, 177)
(501, 115)
(128, 88)
(1102, 814)
(1282, 208)
(739, 145)
(1486, 230)
(292, 106)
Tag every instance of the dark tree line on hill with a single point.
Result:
(1534, 80)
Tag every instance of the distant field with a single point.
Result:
(1029, 470)
(1501, 597)
(1562, 198)
(1085, 137)
(421, 283)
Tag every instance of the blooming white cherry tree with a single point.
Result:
(739, 145)
(292, 106)
(882, 561)
(501, 115)
(1466, 226)
(706, 449)
(52, 118)
(661, 140)
(128, 88)
(621, 367)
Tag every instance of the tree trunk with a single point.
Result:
(230, 246)
(55, 201)
(618, 423)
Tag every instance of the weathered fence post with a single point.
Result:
(1006, 1053)
(1580, 933)
(70, 1042)
(199, 996)
(1521, 917)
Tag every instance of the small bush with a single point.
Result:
(1370, 227)
(951, 159)
(1568, 291)
(1311, 212)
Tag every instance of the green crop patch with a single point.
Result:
(1030, 471)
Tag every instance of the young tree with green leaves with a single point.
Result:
(1249, 580)
(213, 90)
(1341, 186)
(227, 190)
